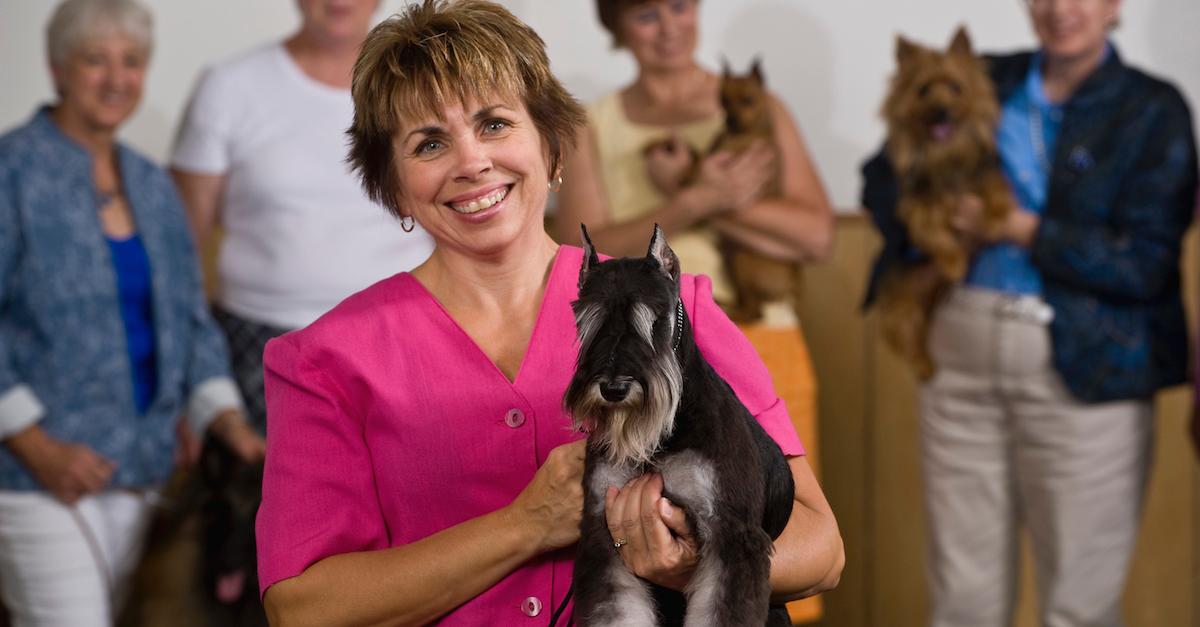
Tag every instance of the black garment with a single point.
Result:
(1121, 194)
(247, 340)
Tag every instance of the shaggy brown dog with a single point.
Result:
(756, 279)
(941, 114)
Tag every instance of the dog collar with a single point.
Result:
(678, 324)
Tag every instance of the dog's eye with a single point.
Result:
(924, 90)
(955, 88)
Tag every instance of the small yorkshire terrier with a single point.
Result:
(650, 402)
(756, 279)
(941, 113)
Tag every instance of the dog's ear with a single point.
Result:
(961, 44)
(660, 252)
(756, 70)
(905, 50)
(590, 258)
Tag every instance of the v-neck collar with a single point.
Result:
(549, 294)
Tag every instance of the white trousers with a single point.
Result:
(69, 565)
(1005, 444)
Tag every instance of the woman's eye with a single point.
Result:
(495, 126)
(428, 146)
(649, 16)
(679, 6)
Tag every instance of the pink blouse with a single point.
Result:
(387, 423)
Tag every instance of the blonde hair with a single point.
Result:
(77, 20)
(440, 50)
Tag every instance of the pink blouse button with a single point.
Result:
(532, 606)
(514, 418)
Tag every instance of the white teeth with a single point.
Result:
(479, 204)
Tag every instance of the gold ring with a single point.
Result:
(619, 542)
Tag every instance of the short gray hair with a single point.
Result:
(77, 20)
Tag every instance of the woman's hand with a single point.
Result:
(553, 500)
(1019, 227)
(668, 162)
(231, 427)
(736, 181)
(68, 471)
(658, 545)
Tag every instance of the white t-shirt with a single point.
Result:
(300, 234)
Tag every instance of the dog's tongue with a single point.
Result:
(942, 131)
(230, 585)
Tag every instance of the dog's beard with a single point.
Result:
(631, 431)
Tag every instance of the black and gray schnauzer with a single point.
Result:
(651, 403)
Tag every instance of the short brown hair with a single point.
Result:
(440, 50)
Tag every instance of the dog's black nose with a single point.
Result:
(616, 390)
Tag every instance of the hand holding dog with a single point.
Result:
(668, 163)
(553, 500)
(660, 547)
(736, 181)
(68, 471)
(1019, 228)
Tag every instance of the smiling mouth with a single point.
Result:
(479, 204)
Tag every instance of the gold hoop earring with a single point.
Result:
(407, 224)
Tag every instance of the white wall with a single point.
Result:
(828, 59)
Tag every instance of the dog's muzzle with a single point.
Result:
(615, 390)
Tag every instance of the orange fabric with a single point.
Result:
(786, 355)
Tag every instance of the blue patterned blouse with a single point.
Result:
(64, 363)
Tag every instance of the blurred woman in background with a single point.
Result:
(1048, 358)
(105, 338)
(259, 157)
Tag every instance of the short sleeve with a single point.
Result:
(319, 494)
(202, 143)
(733, 357)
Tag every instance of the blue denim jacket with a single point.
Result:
(1122, 193)
(63, 359)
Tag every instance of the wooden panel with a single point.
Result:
(836, 338)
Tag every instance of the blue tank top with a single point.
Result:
(134, 290)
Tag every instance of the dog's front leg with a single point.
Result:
(607, 594)
(731, 586)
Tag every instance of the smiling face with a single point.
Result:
(474, 175)
(1073, 29)
(100, 81)
(660, 34)
(337, 20)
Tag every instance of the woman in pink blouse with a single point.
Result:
(420, 467)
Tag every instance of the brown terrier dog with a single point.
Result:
(941, 113)
(756, 279)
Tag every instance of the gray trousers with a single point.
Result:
(1005, 444)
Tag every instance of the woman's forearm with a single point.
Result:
(809, 555)
(781, 228)
(406, 585)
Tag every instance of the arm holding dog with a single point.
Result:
(798, 224)
(808, 559)
(374, 584)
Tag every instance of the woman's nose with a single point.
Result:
(473, 159)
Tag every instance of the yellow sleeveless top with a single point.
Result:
(619, 144)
